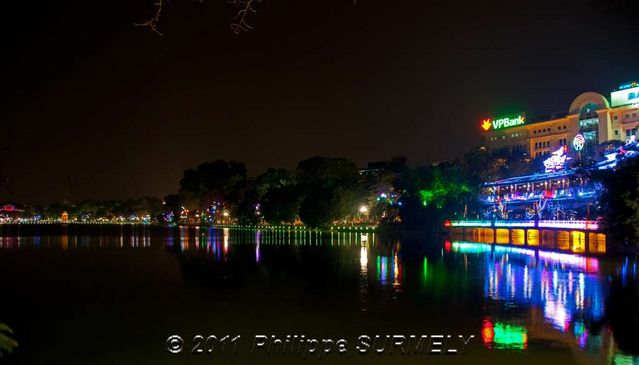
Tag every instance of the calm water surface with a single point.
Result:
(113, 294)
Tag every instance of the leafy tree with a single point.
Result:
(331, 188)
(620, 200)
(146, 206)
(212, 181)
(326, 172)
(246, 208)
(173, 204)
(273, 179)
(433, 194)
(518, 163)
(316, 209)
(398, 164)
(7, 343)
(281, 204)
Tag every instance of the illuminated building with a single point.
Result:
(556, 195)
(559, 193)
(375, 168)
(9, 212)
(561, 201)
(591, 119)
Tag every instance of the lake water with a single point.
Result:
(114, 294)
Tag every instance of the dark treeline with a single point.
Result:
(322, 191)
(145, 208)
(319, 192)
(619, 203)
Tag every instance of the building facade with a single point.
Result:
(591, 120)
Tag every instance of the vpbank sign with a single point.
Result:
(502, 123)
(625, 96)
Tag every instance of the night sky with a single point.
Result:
(120, 112)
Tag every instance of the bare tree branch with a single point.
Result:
(152, 23)
(239, 24)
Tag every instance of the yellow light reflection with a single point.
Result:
(363, 259)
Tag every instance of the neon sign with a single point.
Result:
(557, 161)
(501, 123)
(628, 85)
(628, 94)
(578, 142)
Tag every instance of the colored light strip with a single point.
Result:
(471, 223)
(586, 225)
(514, 224)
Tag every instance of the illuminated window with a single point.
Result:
(589, 128)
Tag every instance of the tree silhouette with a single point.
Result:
(239, 23)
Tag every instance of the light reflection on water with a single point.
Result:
(565, 295)
(529, 297)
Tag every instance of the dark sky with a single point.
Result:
(123, 111)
